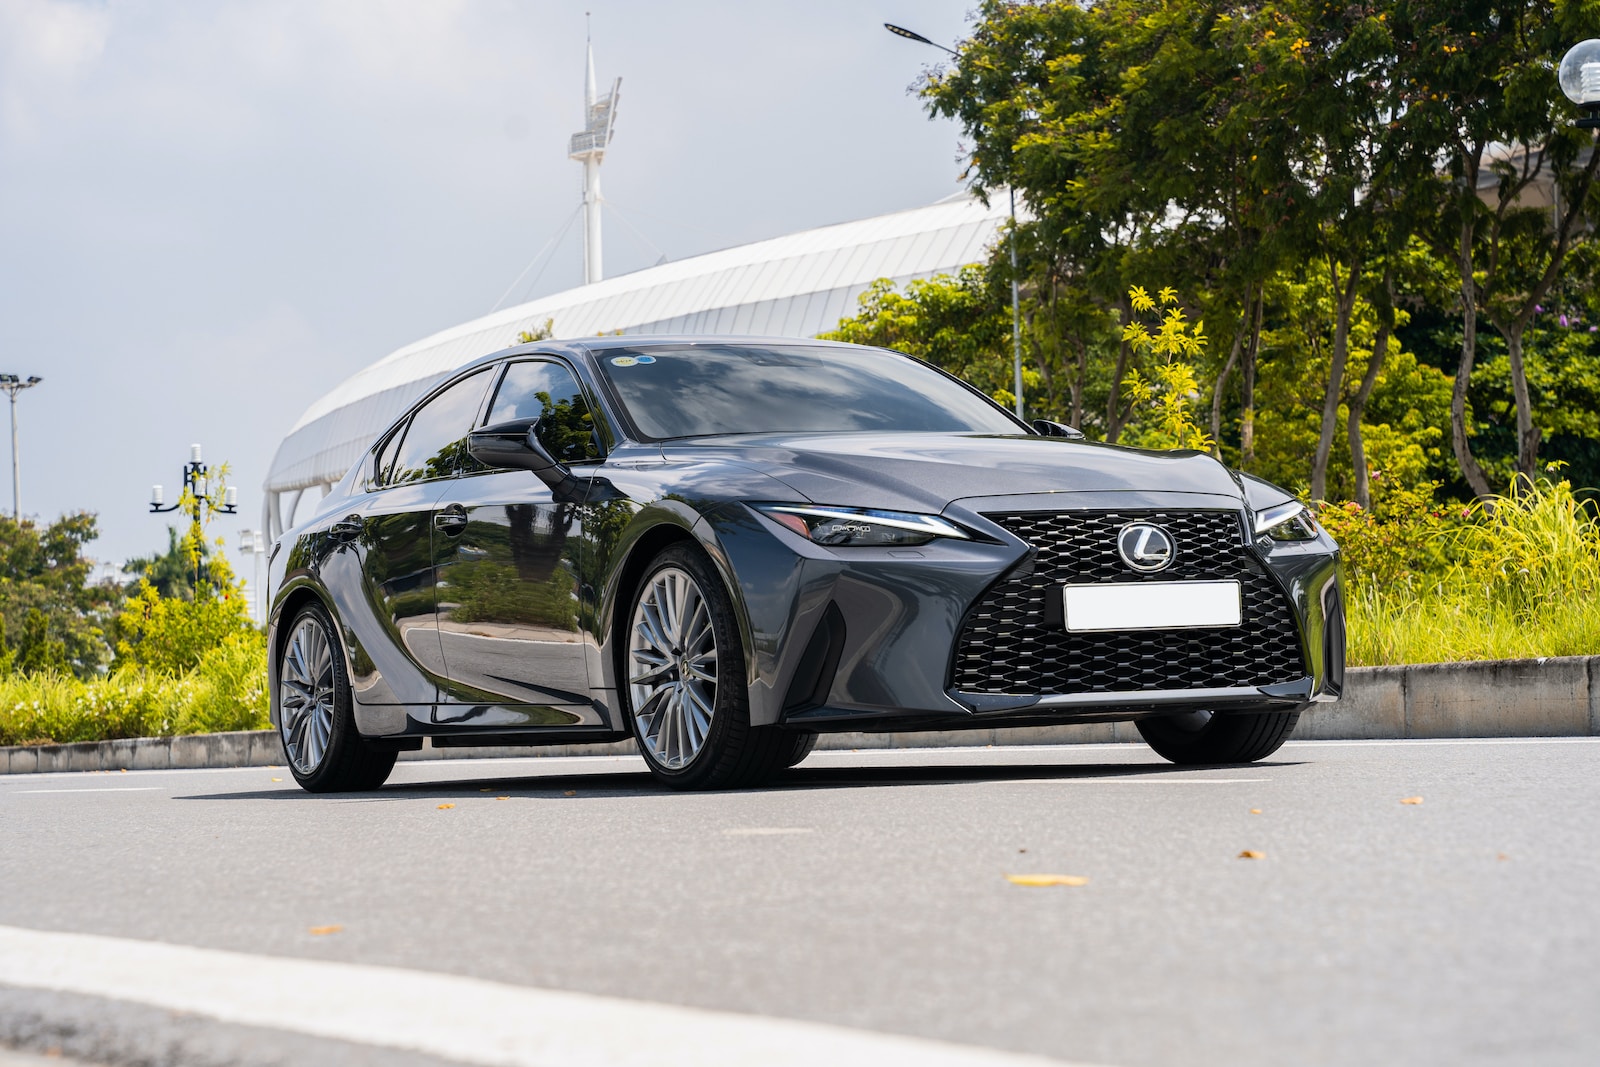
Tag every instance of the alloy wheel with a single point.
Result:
(306, 695)
(672, 668)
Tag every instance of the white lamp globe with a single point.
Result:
(1580, 73)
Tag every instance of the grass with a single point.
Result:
(1519, 578)
(1446, 625)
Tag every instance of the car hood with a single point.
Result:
(928, 471)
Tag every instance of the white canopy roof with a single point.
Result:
(797, 285)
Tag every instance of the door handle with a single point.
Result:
(451, 521)
(348, 528)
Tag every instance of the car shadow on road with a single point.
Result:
(612, 784)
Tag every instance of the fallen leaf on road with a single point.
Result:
(1252, 854)
(570, 793)
(1501, 856)
(323, 931)
(277, 779)
(1411, 800)
(1046, 879)
(442, 807)
(502, 798)
(1255, 811)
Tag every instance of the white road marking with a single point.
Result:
(463, 1019)
(1131, 779)
(1392, 741)
(99, 789)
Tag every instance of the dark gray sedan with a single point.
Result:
(723, 548)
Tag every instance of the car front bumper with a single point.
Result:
(886, 639)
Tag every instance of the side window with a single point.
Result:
(548, 392)
(383, 460)
(436, 441)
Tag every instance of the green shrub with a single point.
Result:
(170, 635)
(229, 688)
(226, 691)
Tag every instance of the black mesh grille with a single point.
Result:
(1014, 641)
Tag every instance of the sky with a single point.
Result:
(211, 214)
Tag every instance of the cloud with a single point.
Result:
(45, 45)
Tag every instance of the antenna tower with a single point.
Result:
(589, 148)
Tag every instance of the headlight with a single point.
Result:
(861, 527)
(1287, 522)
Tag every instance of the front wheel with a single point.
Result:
(1201, 737)
(683, 673)
(316, 719)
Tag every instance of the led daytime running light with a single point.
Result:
(801, 518)
(1278, 515)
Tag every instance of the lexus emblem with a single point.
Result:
(1145, 547)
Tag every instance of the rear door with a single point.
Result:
(506, 555)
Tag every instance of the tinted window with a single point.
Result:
(436, 441)
(698, 390)
(548, 392)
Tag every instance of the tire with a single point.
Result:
(683, 680)
(1200, 737)
(317, 726)
(802, 746)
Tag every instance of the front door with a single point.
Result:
(391, 531)
(506, 555)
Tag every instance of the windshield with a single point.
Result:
(700, 390)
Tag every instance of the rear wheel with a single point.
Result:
(684, 676)
(1200, 737)
(316, 718)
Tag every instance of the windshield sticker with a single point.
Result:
(644, 359)
(624, 361)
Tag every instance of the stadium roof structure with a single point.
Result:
(797, 285)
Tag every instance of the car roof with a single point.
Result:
(577, 348)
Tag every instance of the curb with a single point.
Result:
(1554, 697)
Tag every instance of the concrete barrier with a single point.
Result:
(1555, 697)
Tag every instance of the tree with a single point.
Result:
(170, 573)
(1223, 146)
(956, 323)
(1478, 74)
(543, 333)
(1032, 88)
(47, 598)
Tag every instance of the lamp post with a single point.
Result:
(1016, 300)
(1579, 76)
(14, 384)
(195, 475)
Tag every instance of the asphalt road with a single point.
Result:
(869, 890)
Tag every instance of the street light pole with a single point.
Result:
(1016, 305)
(1016, 299)
(14, 384)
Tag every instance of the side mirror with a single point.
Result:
(516, 445)
(1046, 428)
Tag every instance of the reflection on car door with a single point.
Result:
(391, 531)
(507, 565)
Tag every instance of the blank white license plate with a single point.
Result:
(1151, 605)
